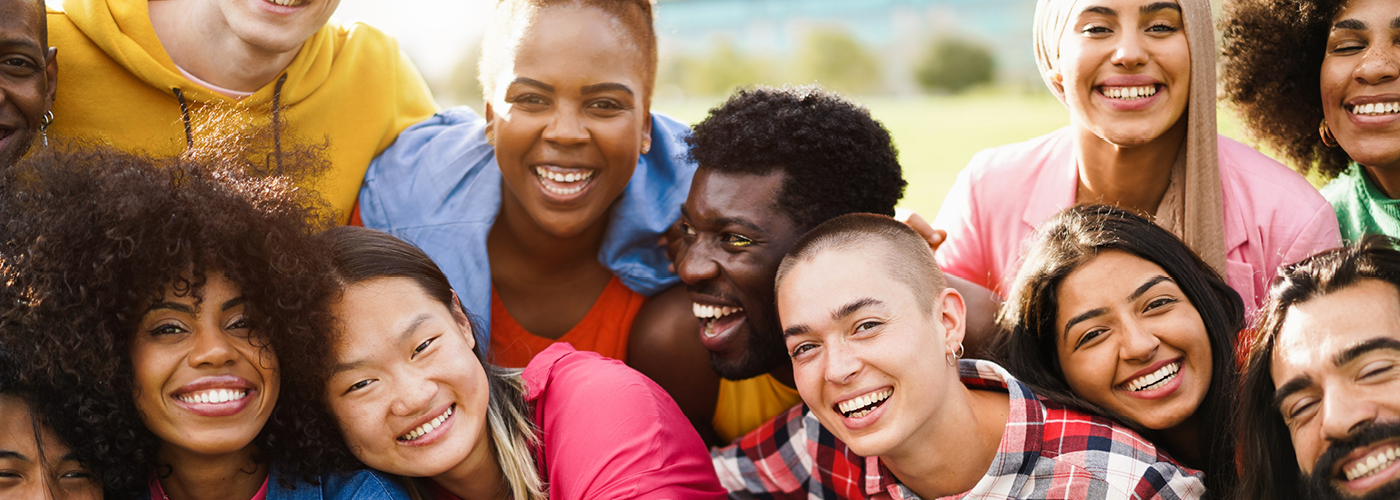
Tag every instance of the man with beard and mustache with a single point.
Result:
(1321, 411)
(28, 77)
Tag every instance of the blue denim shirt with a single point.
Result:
(438, 187)
(358, 485)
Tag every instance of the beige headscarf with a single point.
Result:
(1192, 209)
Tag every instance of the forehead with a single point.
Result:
(1108, 277)
(570, 43)
(1121, 7)
(753, 198)
(16, 425)
(815, 287)
(1314, 332)
(374, 312)
(1379, 12)
(21, 20)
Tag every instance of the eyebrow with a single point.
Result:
(22, 42)
(604, 87)
(1361, 348)
(13, 455)
(1284, 391)
(1099, 9)
(1087, 315)
(188, 309)
(836, 314)
(1159, 6)
(404, 335)
(1147, 286)
(1350, 25)
(532, 82)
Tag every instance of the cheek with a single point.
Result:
(358, 425)
(1089, 372)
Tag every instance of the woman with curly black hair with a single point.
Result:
(157, 297)
(1318, 81)
(1113, 315)
(1138, 77)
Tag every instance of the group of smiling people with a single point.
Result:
(569, 296)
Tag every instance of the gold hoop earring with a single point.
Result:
(490, 138)
(646, 147)
(1328, 139)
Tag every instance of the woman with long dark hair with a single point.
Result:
(1112, 314)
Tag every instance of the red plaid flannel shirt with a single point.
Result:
(1047, 452)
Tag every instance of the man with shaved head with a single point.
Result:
(28, 77)
(875, 336)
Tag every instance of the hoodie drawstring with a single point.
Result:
(277, 120)
(184, 115)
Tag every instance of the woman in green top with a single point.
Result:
(1319, 81)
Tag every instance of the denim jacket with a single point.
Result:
(358, 485)
(438, 187)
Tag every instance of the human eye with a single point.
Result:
(802, 348)
(528, 101)
(423, 346)
(1300, 410)
(687, 229)
(1159, 303)
(359, 385)
(607, 105)
(737, 240)
(867, 326)
(76, 474)
(167, 328)
(1376, 369)
(1094, 29)
(19, 65)
(1089, 337)
(1162, 27)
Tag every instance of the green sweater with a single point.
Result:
(1361, 207)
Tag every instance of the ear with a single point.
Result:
(489, 114)
(646, 130)
(952, 314)
(1056, 79)
(460, 316)
(51, 73)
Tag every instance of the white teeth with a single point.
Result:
(428, 427)
(1372, 464)
(568, 178)
(214, 396)
(285, 3)
(1377, 109)
(1130, 93)
(853, 404)
(703, 311)
(1155, 379)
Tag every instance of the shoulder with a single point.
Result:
(563, 373)
(1345, 188)
(358, 485)
(1263, 179)
(429, 154)
(1114, 455)
(361, 36)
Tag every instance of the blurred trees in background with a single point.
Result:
(834, 59)
(954, 65)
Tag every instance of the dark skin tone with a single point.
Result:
(28, 76)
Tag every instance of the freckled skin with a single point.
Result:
(1359, 64)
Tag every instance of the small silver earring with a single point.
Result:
(44, 126)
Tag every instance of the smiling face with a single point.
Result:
(868, 359)
(1130, 341)
(276, 26)
(28, 77)
(203, 382)
(1360, 90)
(569, 118)
(1336, 372)
(407, 390)
(1125, 67)
(27, 474)
(734, 237)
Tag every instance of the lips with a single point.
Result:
(217, 396)
(1371, 462)
(718, 323)
(286, 3)
(430, 428)
(564, 182)
(861, 406)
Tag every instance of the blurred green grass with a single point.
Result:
(937, 135)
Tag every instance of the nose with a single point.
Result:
(1129, 52)
(412, 396)
(566, 127)
(1378, 65)
(1138, 344)
(212, 348)
(695, 264)
(1343, 413)
(841, 365)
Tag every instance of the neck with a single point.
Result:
(232, 476)
(1386, 179)
(516, 238)
(479, 477)
(1134, 178)
(1183, 442)
(198, 39)
(972, 424)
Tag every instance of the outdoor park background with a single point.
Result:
(871, 51)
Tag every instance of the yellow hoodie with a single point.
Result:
(350, 87)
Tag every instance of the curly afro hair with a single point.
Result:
(93, 236)
(837, 159)
(1273, 53)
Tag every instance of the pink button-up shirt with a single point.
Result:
(1272, 215)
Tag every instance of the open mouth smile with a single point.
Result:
(1128, 93)
(564, 181)
(710, 316)
(1154, 380)
(286, 3)
(862, 405)
(214, 396)
(1372, 463)
(430, 426)
(1374, 109)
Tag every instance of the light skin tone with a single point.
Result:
(1125, 145)
(403, 361)
(1123, 328)
(852, 330)
(25, 473)
(1361, 68)
(28, 76)
(1336, 370)
(206, 389)
(240, 45)
(569, 116)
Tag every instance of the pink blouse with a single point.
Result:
(607, 431)
(1273, 216)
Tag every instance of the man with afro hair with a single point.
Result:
(773, 163)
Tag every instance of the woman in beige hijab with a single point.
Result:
(1138, 77)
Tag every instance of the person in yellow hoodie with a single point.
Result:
(141, 75)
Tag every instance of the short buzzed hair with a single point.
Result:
(908, 258)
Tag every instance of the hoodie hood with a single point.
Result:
(122, 29)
